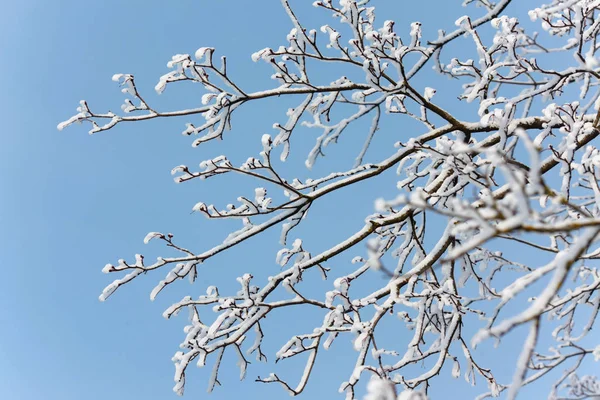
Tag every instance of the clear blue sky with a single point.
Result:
(70, 203)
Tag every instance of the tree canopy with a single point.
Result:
(490, 224)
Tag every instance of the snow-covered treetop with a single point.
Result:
(523, 169)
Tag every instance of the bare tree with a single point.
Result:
(523, 171)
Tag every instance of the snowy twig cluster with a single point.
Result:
(523, 171)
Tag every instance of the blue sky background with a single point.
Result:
(70, 203)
